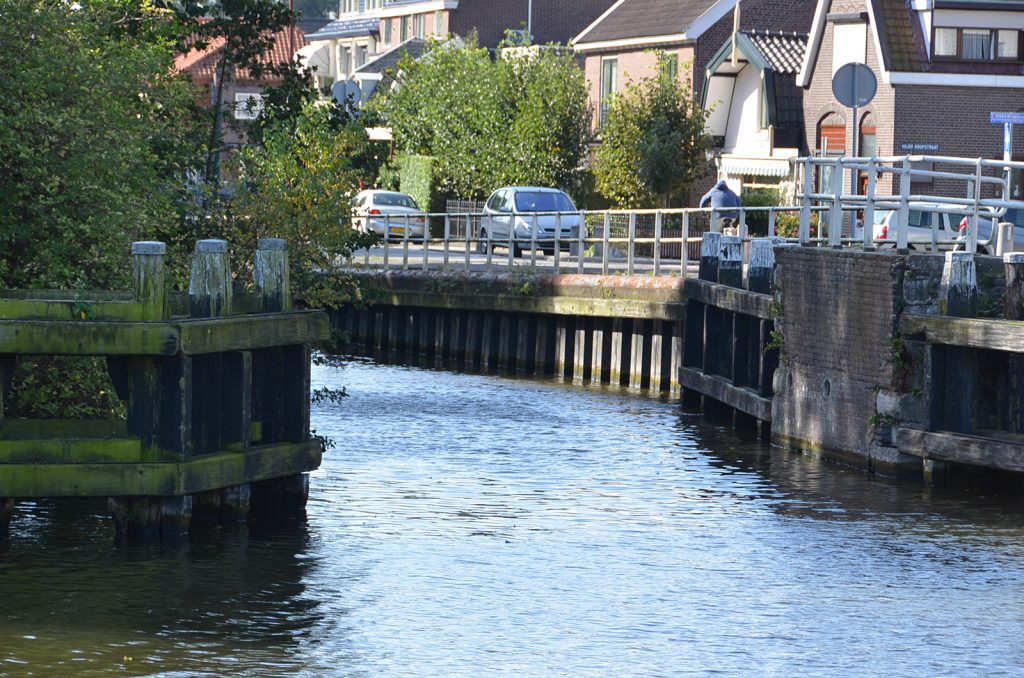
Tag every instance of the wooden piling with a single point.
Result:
(148, 278)
(270, 275)
(954, 368)
(1014, 307)
(209, 287)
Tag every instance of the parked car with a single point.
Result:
(921, 218)
(388, 214)
(518, 208)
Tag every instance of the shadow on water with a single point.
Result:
(226, 600)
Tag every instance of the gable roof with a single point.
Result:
(201, 64)
(648, 21)
(414, 47)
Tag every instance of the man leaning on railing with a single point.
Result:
(720, 197)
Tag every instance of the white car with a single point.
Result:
(388, 214)
(518, 208)
(921, 219)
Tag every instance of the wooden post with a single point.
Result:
(581, 349)
(6, 513)
(148, 277)
(209, 287)
(954, 368)
(761, 266)
(718, 325)
(1014, 262)
(270, 274)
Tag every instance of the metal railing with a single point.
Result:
(667, 241)
(973, 188)
(651, 241)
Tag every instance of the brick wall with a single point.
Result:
(955, 118)
(838, 317)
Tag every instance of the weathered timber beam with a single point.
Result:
(67, 309)
(742, 399)
(580, 306)
(28, 429)
(729, 298)
(72, 451)
(149, 479)
(998, 335)
(243, 333)
(241, 303)
(961, 449)
(89, 296)
(53, 337)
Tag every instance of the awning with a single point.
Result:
(758, 167)
(316, 56)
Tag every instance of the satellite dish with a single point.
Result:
(346, 90)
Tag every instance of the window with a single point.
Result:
(387, 31)
(345, 62)
(1006, 44)
(419, 23)
(976, 44)
(248, 106)
(832, 135)
(670, 65)
(438, 22)
(945, 42)
(609, 82)
(403, 29)
(360, 56)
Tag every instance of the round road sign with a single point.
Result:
(854, 85)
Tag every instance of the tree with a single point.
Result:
(298, 185)
(653, 143)
(243, 32)
(518, 119)
(95, 135)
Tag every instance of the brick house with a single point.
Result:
(756, 109)
(242, 95)
(618, 48)
(942, 67)
(368, 29)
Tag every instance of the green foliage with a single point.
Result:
(58, 387)
(521, 119)
(416, 177)
(95, 135)
(388, 178)
(787, 224)
(653, 142)
(298, 185)
(757, 221)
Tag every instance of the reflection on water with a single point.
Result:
(481, 525)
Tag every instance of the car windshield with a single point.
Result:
(537, 201)
(394, 200)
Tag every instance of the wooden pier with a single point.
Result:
(216, 386)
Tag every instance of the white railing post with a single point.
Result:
(605, 235)
(405, 243)
(835, 220)
(533, 240)
(771, 222)
(902, 233)
(447, 235)
(581, 240)
(684, 253)
(558, 242)
(512, 239)
(657, 242)
(387, 237)
(868, 225)
(469, 240)
(741, 231)
(805, 204)
(426, 241)
(972, 229)
(631, 252)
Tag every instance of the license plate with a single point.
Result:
(398, 230)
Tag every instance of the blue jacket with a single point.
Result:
(719, 197)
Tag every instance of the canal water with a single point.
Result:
(478, 525)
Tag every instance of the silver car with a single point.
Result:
(520, 208)
(388, 214)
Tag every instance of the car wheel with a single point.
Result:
(517, 251)
(548, 251)
(481, 243)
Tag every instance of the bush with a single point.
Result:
(757, 222)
